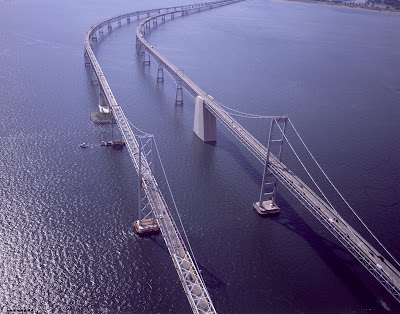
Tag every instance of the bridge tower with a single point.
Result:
(266, 204)
(147, 224)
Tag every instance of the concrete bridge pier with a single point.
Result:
(146, 58)
(87, 61)
(140, 50)
(93, 77)
(179, 93)
(160, 74)
(205, 125)
(103, 106)
(109, 27)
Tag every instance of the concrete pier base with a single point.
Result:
(147, 227)
(267, 208)
(205, 125)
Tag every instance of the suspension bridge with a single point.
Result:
(154, 212)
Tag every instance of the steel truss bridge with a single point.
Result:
(189, 274)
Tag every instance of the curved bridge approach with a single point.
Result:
(192, 282)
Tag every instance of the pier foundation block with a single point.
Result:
(267, 208)
(146, 227)
(205, 125)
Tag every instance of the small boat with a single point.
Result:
(105, 143)
(117, 144)
(83, 145)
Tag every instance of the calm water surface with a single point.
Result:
(67, 242)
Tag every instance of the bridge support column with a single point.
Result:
(179, 93)
(146, 58)
(266, 205)
(128, 19)
(93, 77)
(160, 74)
(163, 18)
(172, 15)
(205, 124)
(147, 224)
(119, 22)
(103, 106)
(109, 27)
(139, 48)
(101, 31)
(94, 37)
(87, 61)
(155, 22)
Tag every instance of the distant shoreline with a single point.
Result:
(340, 6)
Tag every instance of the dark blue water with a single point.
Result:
(67, 242)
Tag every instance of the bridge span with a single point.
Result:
(192, 281)
(363, 251)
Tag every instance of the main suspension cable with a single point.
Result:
(176, 209)
(341, 196)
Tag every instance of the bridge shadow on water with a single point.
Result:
(338, 259)
(332, 253)
(210, 279)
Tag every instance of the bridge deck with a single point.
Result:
(369, 257)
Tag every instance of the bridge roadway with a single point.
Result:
(364, 252)
(191, 280)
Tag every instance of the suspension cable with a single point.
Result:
(341, 196)
(245, 114)
(143, 133)
(319, 189)
(176, 208)
(308, 173)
